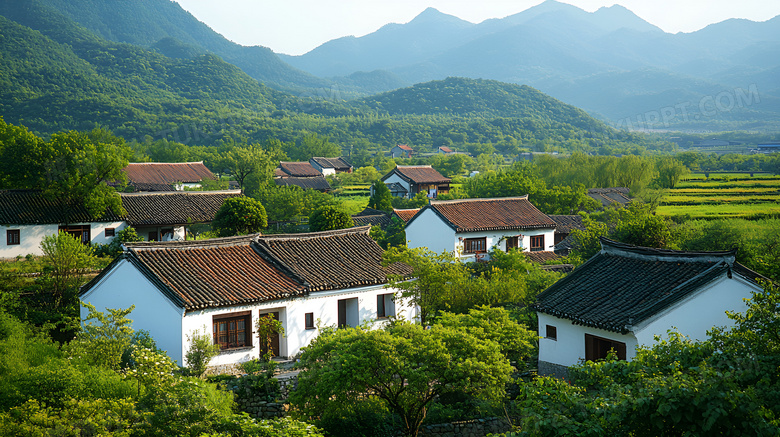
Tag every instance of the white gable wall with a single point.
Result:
(124, 286)
(700, 312)
(30, 237)
(398, 179)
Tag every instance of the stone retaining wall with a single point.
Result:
(467, 428)
(552, 369)
(259, 407)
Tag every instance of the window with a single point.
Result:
(385, 307)
(309, 320)
(348, 312)
(233, 330)
(551, 333)
(537, 243)
(475, 245)
(79, 232)
(512, 243)
(13, 236)
(110, 232)
(597, 348)
(152, 236)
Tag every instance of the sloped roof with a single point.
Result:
(406, 214)
(608, 196)
(256, 268)
(318, 183)
(395, 187)
(174, 207)
(159, 176)
(418, 174)
(566, 223)
(372, 217)
(445, 149)
(30, 207)
(541, 257)
(339, 164)
(623, 285)
(299, 169)
(404, 147)
(502, 213)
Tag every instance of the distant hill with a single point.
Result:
(609, 62)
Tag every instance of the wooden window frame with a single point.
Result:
(382, 311)
(551, 332)
(110, 232)
(537, 243)
(82, 232)
(597, 348)
(231, 325)
(308, 321)
(512, 242)
(13, 237)
(475, 245)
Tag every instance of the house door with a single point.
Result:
(597, 348)
(81, 233)
(274, 338)
(348, 312)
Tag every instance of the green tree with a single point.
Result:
(239, 216)
(104, 337)
(68, 261)
(200, 352)
(251, 160)
(670, 170)
(405, 366)
(328, 218)
(309, 145)
(381, 198)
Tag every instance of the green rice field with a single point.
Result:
(723, 196)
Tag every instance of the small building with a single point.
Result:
(331, 166)
(769, 147)
(608, 196)
(401, 151)
(223, 285)
(372, 217)
(159, 176)
(26, 216)
(471, 227)
(625, 295)
(564, 224)
(412, 179)
(300, 174)
(445, 150)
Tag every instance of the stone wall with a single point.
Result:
(467, 428)
(552, 369)
(259, 406)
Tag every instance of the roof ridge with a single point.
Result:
(236, 240)
(174, 192)
(614, 247)
(309, 235)
(478, 199)
(165, 163)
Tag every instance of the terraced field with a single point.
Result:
(724, 195)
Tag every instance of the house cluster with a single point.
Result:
(408, 180)
(310, 175)
(306, 281)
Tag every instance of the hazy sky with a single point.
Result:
(297, 26)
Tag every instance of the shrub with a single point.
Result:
(329, 218)
(201, 350)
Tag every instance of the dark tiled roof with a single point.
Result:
(564, 224)
(175, 207)
(503, 213)
(299, 169)
(608, 196)
(370, 211)
(560, 268)
(372, 217)
(418, 174)
(339, 164)
(566, 244)
(541, 256)
(214, 273)
(330, 260)
(318, 183)
(624, 285)
(30, 207)
(156, 176)
(406, 214)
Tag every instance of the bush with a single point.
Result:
(202, 349)
(238, 216)
(329, 218)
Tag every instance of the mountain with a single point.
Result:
(162, 23)
(609, 62)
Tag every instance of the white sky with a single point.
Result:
(297, 26)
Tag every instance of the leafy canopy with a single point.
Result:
(239, 216)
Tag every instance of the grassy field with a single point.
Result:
(723, 196)
(354, 204)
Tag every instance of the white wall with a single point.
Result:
(397, 179)
(700, 312)
(569, 349)
(32, 235)
(124, 286)
(429, 230)
(292, 312)
(178, 232)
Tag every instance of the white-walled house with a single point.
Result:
(224, 285)
(331, 166)
(408, 180)
(26, 216)
(471, 227)
(625, 295)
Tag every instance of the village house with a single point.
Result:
(159, 176)
(300, 174)
(401, 151)
(331, 166)
(408, 180)
(405, 214)
(471, 227)
(608, 196)
(26, 216)
(625, 295)
(445, 150)
(223, 285)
